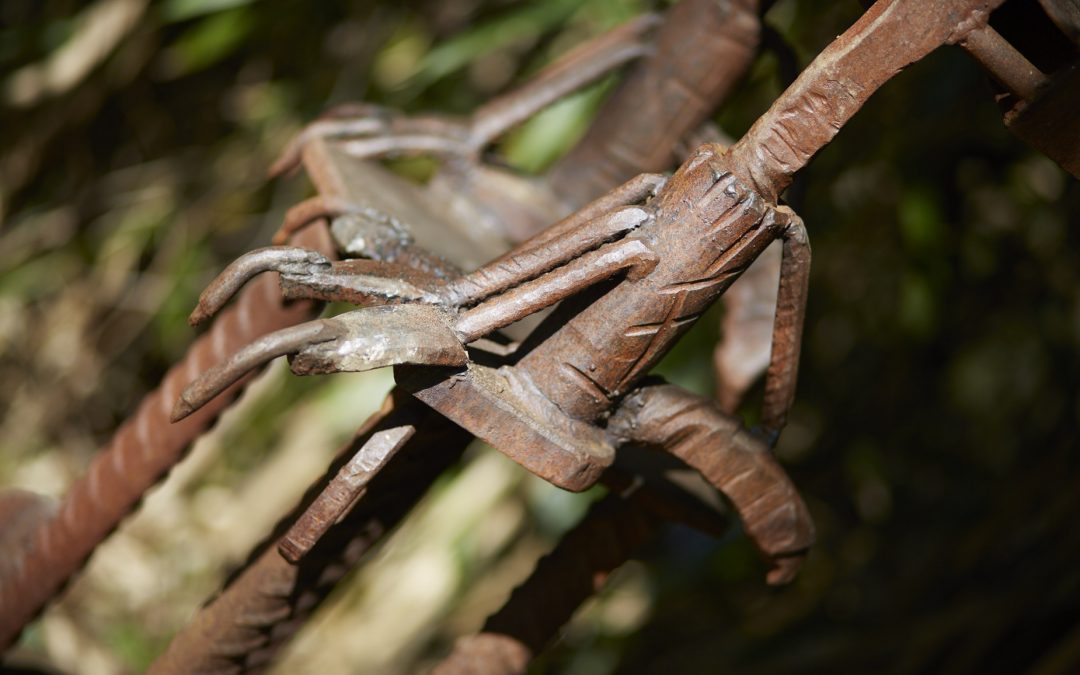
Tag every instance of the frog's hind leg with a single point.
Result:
(734, 461)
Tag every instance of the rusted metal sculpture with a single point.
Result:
(782, 156)
(636, 267)
(541, 409)
(386, 219)
(147, 446)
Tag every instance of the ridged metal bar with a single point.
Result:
(703, 49)
(270, 598)
(576, 569)
(141, 452)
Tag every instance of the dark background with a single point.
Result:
(934, 434)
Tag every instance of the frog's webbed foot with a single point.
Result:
(363, 339)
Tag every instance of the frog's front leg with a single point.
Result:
(425, 324)
(308, 274)
(782, 374)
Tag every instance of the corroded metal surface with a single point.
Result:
(563, 579)
(505, 409)
(641, 269)
(734, 461)
(140, 453)
(21, 513)
(706, 228)
(341, 494)
(702, 51)
(270, 598)
(1003, 62)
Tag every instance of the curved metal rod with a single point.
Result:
(382, 132)
(309, 211)
(406, 145)
(346, 120)
(736, 463)
(284, 259)
(266, 348)
(363, 339)
(573, 71)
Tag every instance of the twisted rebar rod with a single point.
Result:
(141, 452)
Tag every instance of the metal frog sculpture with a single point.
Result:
(636, 268)
(541, 409)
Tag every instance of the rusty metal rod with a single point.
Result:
(530, 297)
(890, 36)
(574, 570)
(703, 49)
(541, 257)
(270, 598)
(788, 322)
(342, 493)
(141, 452)
(246, 267)
(252, 356)
(1004, 63)
(587, 63)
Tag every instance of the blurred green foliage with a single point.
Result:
(935, 431)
